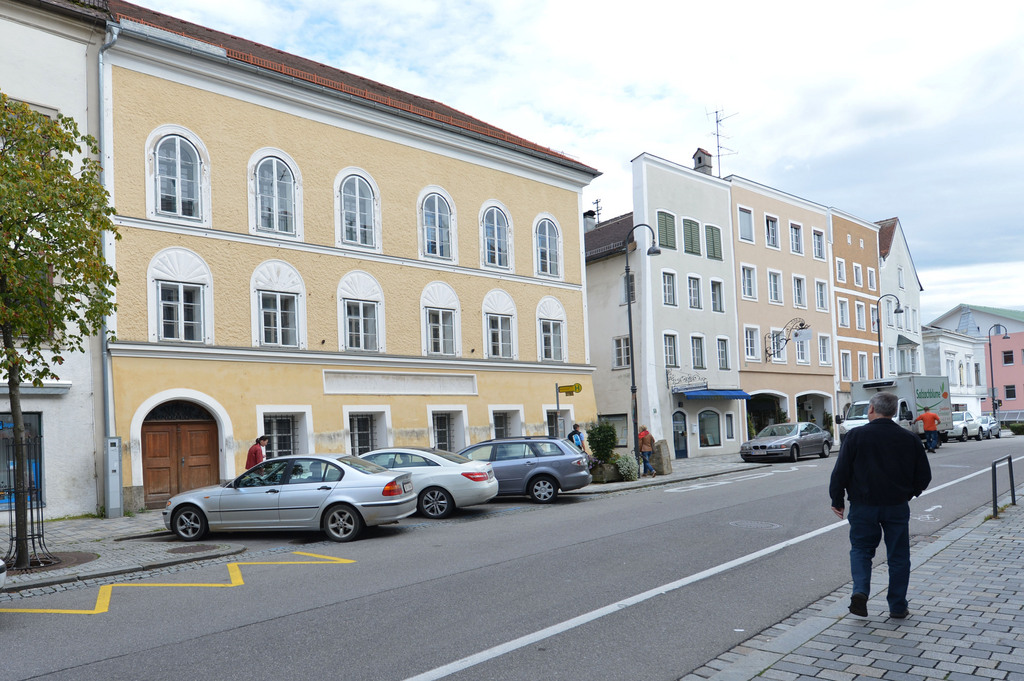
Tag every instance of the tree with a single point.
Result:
(55, 284)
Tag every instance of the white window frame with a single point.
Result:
(824, 343)
(771, 234)
(724, 359)
(498, 303)
(550, 312)
(843, 312)
(859, 313)
(153, 212)
(818, 237)
(669, 292)
(620, 352)
(743, 210)
(282, 157)
(845, 365)
(559, 273)
(858, 274)
(382, 430)
(862, 366)
(776, 296)
(694, 295)
(796, 238)
(453, 232)
(302, 417)
(277, 276)
(901, 278)
(339, 226)
(718, 301)
(874, 318)
(437, 295)
(821, 286)
(179, 265)
(803, 355)
(799, 292)
(359, 286)
(752, 343)
(779, 346)
(872, 279)
(752, 270)
(459, 417)
(698, 352)
(485, 211)
(670, 349)
(841, 270)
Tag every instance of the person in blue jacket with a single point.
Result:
(881, 467)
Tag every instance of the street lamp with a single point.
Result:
(653, 250)
(878, 321)
(992, 371)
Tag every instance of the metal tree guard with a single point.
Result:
(11, 489)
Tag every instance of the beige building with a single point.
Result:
(857, 293)
(325, 259)
(782, 260)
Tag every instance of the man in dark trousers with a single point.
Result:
(881, 467)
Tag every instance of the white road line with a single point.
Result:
(562, 627)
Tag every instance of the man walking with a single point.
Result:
(577, 437)
(881, 467)
(931, 429)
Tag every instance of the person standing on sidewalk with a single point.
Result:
(930, 420)
(255, 454)
(577, 437)
(881, 467)
(646, 447)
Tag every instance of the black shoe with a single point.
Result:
(899, 615)
(859, 605)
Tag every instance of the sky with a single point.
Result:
(891, 108)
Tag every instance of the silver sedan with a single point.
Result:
(787, 441)
(337, 494)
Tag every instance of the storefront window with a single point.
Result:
(710, 429)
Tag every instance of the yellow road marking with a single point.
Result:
(234, 572)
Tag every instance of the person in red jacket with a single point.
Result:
(255, 454)
(931, 429)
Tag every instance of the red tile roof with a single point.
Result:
(272, 59)
(887, 229)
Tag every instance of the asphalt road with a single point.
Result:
(645, 584)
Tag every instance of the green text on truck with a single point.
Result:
(915, 394)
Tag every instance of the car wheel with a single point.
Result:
(978, 436)
(435, 502)
(997, 434)
(826, 449)
(794, 453)
(988, 434)
(963, 435)
(189, 523)
(342, 523)
(543, 490)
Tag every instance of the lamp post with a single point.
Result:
(992, 370)
(653, 250)
(878, 312)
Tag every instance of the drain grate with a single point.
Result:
(754, 525)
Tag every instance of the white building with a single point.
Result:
(901, 333)
(961, 359)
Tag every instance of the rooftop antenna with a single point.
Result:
(719, 118)
(597, 210)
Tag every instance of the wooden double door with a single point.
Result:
(178, 456)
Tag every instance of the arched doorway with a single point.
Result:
(679, 434)
(179, 451)
(763, 411)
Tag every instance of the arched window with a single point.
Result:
(551, 335)
(361, 313)
(356, 211)
(499, 312)
(180, 289)
(178, 177)
(496, 238)
(441, 321)
(548, 260)
(278, 306)
(275, 196)
(437, 226)
(710, 428)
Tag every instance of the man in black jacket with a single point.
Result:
(881, 467)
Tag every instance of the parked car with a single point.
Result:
(787, 441)
(990, 427)
(443, 481)
(538, 467)
(337, 494)
(965, 426)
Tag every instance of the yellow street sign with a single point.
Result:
(570, 389)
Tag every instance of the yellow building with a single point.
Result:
(857, 292)
(325, 259)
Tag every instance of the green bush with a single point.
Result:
(628, 467)
(1017, 428)
(602, 438)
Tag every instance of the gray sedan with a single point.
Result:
(337, 494)
(787, 441)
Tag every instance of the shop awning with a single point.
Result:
(713, 394)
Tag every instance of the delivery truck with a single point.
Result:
(915, 394)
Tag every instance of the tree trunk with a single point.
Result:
(21, 471)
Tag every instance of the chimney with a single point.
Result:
(702, 161)
(589, 221)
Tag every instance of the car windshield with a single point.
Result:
(361, 465)
(858, 411)
(778, 430)
(958, 416)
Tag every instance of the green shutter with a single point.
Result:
(691, 237)
(666, 231)
(713, 238)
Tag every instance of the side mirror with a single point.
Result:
(839, 419)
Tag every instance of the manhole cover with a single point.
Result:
(755, 525)
(192, 548)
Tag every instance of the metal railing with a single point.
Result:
(995, 491)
